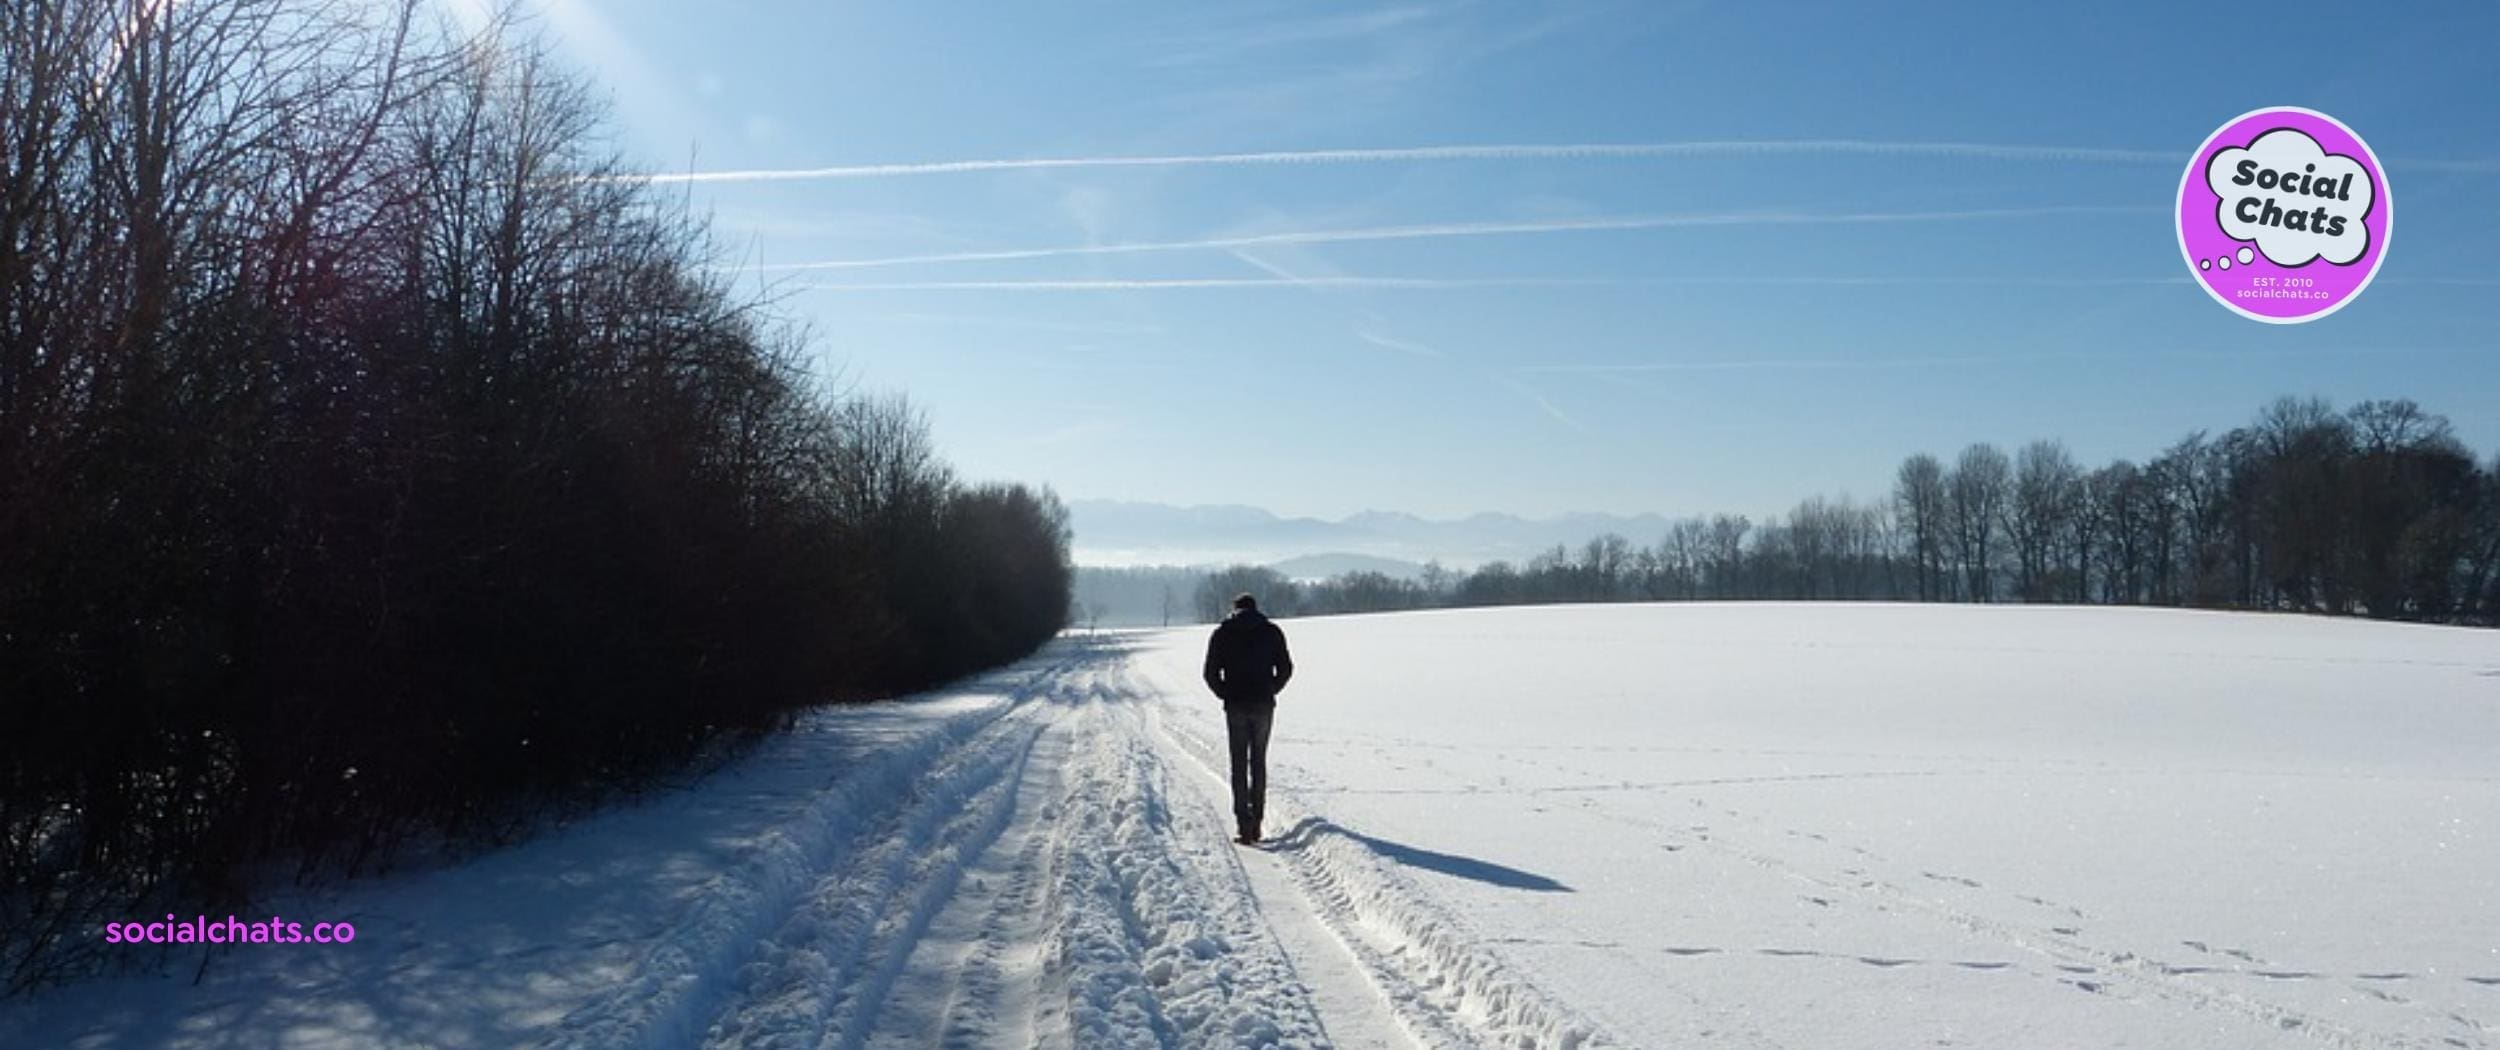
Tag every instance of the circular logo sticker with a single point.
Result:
(2284, 215)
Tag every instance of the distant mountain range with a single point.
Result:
(1330, 566)
(1111, 533)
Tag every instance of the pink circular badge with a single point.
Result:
(2284, 215)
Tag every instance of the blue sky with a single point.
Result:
(1836, 235)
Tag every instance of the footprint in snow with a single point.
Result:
(2051, 905)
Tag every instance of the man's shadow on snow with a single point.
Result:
(1303, 834)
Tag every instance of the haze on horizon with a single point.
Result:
(1458, 258)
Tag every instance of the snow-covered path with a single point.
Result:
(1059, 876)
(1724, 826)
(1036, 859)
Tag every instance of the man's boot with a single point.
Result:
(1247, 833)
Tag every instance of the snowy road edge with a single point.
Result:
(673, 993)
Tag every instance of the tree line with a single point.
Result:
(380, 462)
(2376, 511)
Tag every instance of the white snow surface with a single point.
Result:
(1753, 825)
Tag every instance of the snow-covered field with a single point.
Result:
(1692, 825)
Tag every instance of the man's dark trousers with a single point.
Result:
(1247, 725)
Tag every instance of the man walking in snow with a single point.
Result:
(1247, 665)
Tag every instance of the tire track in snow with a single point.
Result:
(990, 1000)
(690, 971)
(1350, 1004)
(1121, 922)
(1350, 1007)
(1444, 989)
(823, 976)
(1157, 943)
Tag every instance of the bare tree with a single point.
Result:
(1726, 554)
(1684, 551)
(1975, 494)
(2087, 531)
(2480, 593)
(1606, 559)
(1866, 552)
(2119, 490)
(2038, 515)
(1919, 503)
(2381, 427)
(2196, 479)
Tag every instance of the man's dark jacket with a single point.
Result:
(1247, 662)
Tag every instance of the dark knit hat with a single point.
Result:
(1245, 601)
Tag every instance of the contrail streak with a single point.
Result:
(1208, 282)
(1802, 363)
(1265, 266)
(1469, 229)
(1627, 370)
(1444, 283)
(1547, 406)
(1399, 345)
(1579, 151)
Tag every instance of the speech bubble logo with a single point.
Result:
(2284, 215)
(2292, 197)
